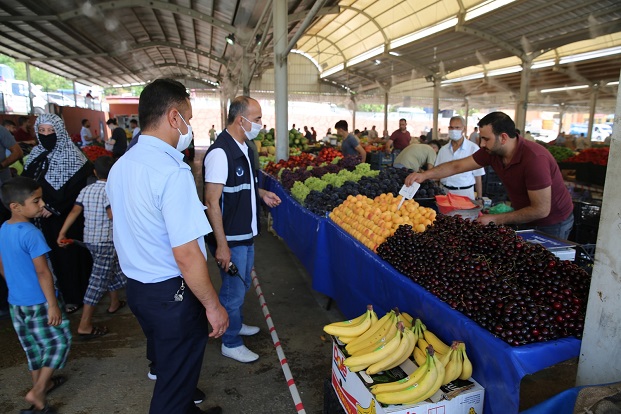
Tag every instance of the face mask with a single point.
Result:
(254, 129)
(455, 134)
(48, 141)
(184, 139)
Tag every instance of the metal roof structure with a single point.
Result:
(475, 48)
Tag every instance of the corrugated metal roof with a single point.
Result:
(377, 45)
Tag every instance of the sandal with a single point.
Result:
(96, 332)
(56, 381)
(122, 304)
(71, 308)
(45, 410)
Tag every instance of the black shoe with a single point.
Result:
(198, 397)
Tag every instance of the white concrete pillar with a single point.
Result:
(522, 104)
(600, 355)
(75, 95)
(561, 115)
(279, 10)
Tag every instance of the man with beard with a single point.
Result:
(527, 170)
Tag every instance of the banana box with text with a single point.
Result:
(353, 393)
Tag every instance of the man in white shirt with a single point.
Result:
(474, 137)
(212, 135)
(465, 183)
(232, 199)
(159, 227)
(86, 135)
(133, 125)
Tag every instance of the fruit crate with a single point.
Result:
(591, 173)
(585, 257)
(587, 212)
(379, 159)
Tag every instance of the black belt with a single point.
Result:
(457, 188)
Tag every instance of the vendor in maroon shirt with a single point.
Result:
(22, 134)
(400, 138)
(527, 170)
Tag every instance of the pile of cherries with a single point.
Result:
(518, 291)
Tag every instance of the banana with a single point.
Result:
(350, 322)
(404, 383)
(347, 339)
(374, 334)
(436, 386)
(409, 348)
(445, 358)
(414, 393)
(454, 365)
(419, 357)
(375, 356)
(406, 319)
(419, 327)
(350, 330)
(466, 371)
(422, 344)
(392, 331)
(437, 344)
(396, 357)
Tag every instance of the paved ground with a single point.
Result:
(108, 375)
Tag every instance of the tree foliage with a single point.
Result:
(47, 80)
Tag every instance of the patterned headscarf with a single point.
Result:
(64, 160)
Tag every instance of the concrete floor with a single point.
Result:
(108, 375)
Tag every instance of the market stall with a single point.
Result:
(355, 276)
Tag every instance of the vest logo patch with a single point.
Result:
(239, 171)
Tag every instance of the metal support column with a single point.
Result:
(600, 361)
(467, 115)
(75, 95)
(223, 108)
(385, 111)
(279, 10)
(522, 105)
(30, 102)
(561, 115)
(245, 73)
(436, 107)
(354, 108)
(594, 93)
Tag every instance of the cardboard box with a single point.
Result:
(353, 393)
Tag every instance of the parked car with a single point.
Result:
(15, 93)
(600, 131)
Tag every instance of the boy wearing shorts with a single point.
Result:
(37, 317)
(106, 274)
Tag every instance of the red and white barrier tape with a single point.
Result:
(279, 351)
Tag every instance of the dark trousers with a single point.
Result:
(176, 338)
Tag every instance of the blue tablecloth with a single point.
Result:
(354, 276)
(300, 229)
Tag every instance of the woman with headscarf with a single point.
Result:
(62, 170)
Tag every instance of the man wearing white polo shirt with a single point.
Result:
(465, 183)
(159, 225)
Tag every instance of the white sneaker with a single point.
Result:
(247, 330)
(240, 353)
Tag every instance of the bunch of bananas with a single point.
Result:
(353, 328)
(420, 385)
(454, 359)
(385, 344)
(376, 345)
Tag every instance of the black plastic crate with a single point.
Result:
(585, 234)
(591, 173)
(588, 213)
(585, 256)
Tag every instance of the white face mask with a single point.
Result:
(184, 139)
(254, 129)
(455, 134)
